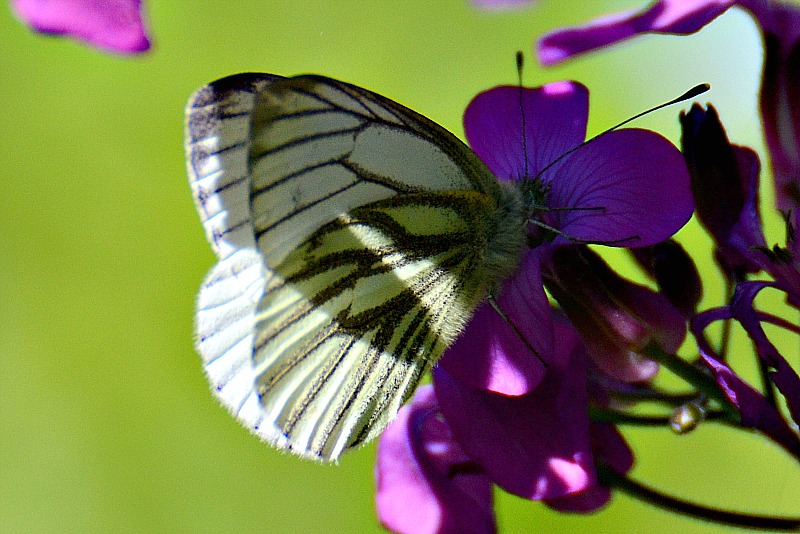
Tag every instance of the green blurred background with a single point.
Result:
(106, 421)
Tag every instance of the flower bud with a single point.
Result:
(616, 317)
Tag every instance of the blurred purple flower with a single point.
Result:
(628, 188)
(110, 25)
(780, 85)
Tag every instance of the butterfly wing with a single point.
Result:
(355, 239)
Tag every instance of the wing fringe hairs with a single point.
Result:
(355, 239)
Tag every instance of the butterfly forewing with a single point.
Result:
(369, 228)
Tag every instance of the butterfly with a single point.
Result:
(355, 239)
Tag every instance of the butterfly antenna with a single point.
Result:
(516, 329)
(520, 65)
(691, 93)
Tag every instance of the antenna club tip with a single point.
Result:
(520, 59)
(698, 90)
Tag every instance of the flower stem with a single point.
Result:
(639, 491)
(700, 380)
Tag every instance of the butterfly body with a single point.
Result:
(355, 239)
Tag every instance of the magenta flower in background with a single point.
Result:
(111, 25)
(780, 84)
(680, 17)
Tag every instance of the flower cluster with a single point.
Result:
(509, 404)
(530, 397)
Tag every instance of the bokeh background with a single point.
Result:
(106, 421)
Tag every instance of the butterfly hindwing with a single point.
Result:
(372, 226)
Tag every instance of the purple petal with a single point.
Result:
(748, 232)
(490, 354)
(725, 187)
(112, 25)
(680, 17)
(587, 501)
(610, 448)
(424, 481)
(555, 117)
(537, 445)
(635, 184)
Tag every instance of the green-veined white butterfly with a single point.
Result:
(355, 239)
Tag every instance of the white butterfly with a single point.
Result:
(355, 239)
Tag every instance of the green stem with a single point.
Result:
(635, 489)
(701, 381)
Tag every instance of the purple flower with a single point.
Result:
(628, 188)
(436, 462)
(725, 180)
(780, 86)
(110, 25)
